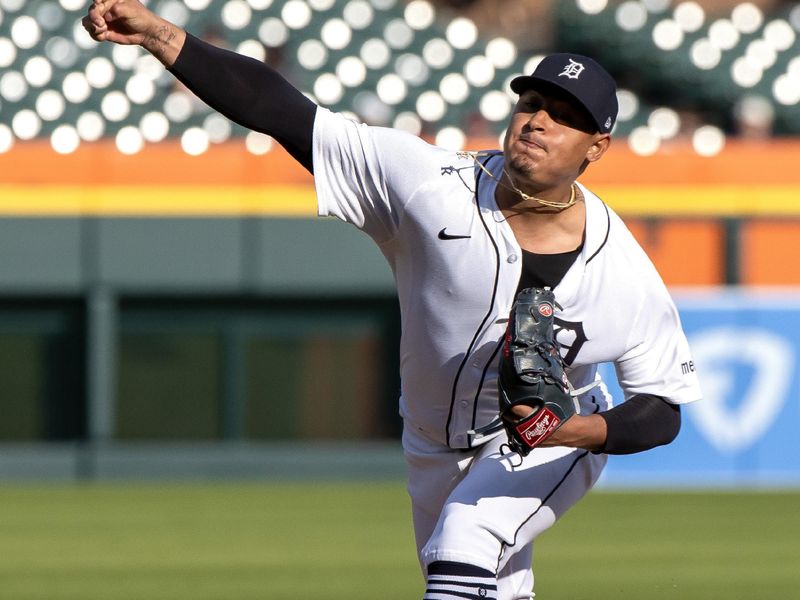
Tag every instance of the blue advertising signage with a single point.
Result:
(745, 431)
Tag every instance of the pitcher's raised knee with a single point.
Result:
(463, 536)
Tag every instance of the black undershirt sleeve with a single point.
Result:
(250, 93)
(640, 423)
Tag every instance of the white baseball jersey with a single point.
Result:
(457, 266)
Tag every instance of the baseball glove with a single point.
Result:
(532, 373)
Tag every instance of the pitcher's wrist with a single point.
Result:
(164, 41)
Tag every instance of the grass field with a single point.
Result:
(354, 542)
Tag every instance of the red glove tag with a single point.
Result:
(539, 428)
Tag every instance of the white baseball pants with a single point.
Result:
(485, 506)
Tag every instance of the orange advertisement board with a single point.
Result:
(674, 201)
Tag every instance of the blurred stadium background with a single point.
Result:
(170, 310)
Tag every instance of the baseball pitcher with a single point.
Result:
(515, 281)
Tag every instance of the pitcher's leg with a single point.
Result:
(433, 473)
(515, 579)
(503, 503)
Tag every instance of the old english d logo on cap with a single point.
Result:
(573, 69)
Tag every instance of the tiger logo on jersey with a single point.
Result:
(570, 337)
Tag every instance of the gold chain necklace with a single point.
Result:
(549, 203)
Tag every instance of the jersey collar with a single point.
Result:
(598, 223)
(598, 220)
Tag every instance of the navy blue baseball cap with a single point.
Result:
(583, 79)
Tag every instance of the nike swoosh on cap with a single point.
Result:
(443, 235)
